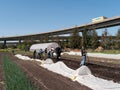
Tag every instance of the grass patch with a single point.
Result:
(17, 51)
(15, 78)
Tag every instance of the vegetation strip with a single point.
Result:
(15, 78)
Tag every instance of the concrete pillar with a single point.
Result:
(4, 43)
(19, 41)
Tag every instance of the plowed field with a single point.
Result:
(47, 80)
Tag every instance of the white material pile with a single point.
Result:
(82, 75)
(60, 68)
(83, 70)
(22, 57)
(48, 61)
(101, 55)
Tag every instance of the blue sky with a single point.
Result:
(21, 17)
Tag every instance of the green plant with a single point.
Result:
(15, 78)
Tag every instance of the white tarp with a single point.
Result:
(42, 46)
(101, 55)
(82, 75)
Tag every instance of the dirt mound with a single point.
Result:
(99, 49)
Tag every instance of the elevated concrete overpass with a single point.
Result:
(115, 21)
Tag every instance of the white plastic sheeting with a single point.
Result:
(60, 68)
(27, 58)
(82, 75)
(83, 70)
(22, 57)
(42, 46)
(101, 55)
(48, 61)
(96, 83)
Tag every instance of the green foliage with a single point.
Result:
(75, 40)
(26, 44)
(12, 46)
(19, 46)
(23, 47)
(117, 44)
(2, 46)
(92, 39)
(118, 34)
(105, 40)
(88, 39)
(15, 78)
(84, 38)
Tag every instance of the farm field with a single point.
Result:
(44, 79)
(47, 80)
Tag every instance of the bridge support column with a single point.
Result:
(4, 45)
(19, 41)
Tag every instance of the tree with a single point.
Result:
(110, 42)
(88, 39)
(118, 39)
(75, 39)
(104, 39)
(92, 39)
(84, 38)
